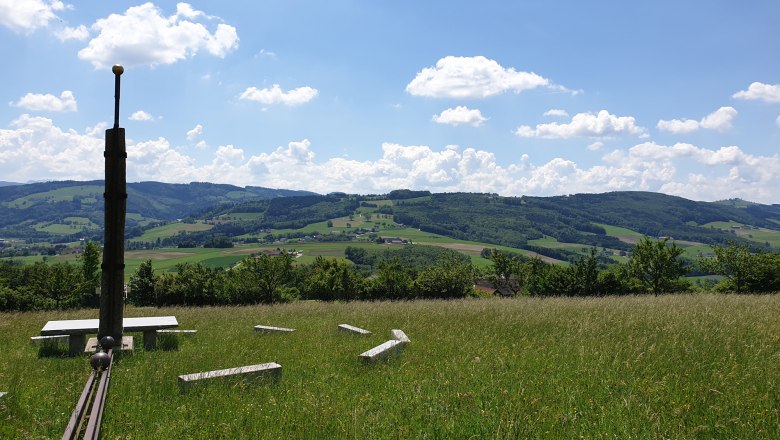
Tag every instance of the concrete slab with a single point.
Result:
(269, 371)
(399, 335)
(382, 351)
(270, 329)
(346, 328)
(92, 344)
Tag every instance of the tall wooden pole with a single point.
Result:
(113, 267)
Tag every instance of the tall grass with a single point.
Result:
(692, 366)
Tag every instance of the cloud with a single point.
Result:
(719, 120)
(144, 37)
(141, 116)
(778, 121)
(601, 125)
(195, 132)
(80, 33)
(33, 148)
(275, 95)
(460, 115)
(760, 91)
(595, 146)
(473, 77)
(28, 15)
(48, 102)
(557, 113)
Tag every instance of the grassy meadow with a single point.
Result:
(680, 366)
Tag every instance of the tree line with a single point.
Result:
(415, 272)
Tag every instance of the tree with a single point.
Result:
(90, 270)
(744, 271)
(451, 277)
(393, 281)
(657, 265)
(264, 279)
(506, 272)
(142, 286)
(332, 279)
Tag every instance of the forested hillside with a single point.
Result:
(513, 221)
(71, 208)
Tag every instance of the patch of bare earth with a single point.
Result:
(150, 255)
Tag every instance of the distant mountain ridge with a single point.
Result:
(27, 209)
(68, 210)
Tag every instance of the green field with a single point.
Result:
(172, 229)
(90, 192)
(688, 366)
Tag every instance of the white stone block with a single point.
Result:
(270, 370)
(268, 328)
(399, 335)
(346, 328)
(382, 351)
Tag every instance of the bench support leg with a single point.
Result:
(76, 344)
(150, 339)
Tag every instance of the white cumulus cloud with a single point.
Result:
(141, 116)
(195, 132)
(143, 36)
(557, 113)
(28, 15)
(760, 91)
(66, 102)
(600, 125)
(719, 120)
(79, 33)
(275, 95)
(472, 77)
(460, 115)
(34, 148)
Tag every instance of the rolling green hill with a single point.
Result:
(557, 227)
(46, 210)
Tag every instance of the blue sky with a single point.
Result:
(507, 97)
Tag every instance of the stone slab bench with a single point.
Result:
(78, 329)
(382, 351)
(399, 335)
(270, 329)
(346, 328)
(271, 371)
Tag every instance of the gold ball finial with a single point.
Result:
(118, 69)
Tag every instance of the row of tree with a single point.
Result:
(42, 286)
(654, 267)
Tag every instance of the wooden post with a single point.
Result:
(113, 267)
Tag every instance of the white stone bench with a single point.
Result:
(270, 370)
(346, 328)
(78, 329)
(382, 351)
(270, 329)
(399, 335)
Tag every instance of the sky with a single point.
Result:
(534, 98)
